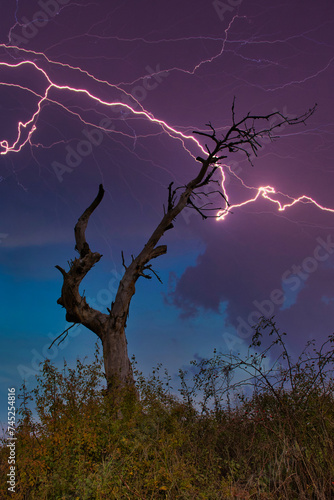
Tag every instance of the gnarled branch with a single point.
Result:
(77, 309)
(80, 227)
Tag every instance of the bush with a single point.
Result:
(268, 435)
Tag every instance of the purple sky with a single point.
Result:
(183, 62)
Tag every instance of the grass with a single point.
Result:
(239, 429)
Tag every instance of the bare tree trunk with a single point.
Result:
(110, 328)
(117, 365)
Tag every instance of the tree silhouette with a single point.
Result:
(242, 136)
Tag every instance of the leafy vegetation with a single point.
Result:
(240, 428)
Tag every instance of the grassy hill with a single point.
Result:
(268, 434)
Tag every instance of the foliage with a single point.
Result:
(267, 435)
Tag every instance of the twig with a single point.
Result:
(61, 335)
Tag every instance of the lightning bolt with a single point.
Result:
(266, 192)
(54, 91)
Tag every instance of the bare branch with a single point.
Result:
(149, 267)
(197, 209)
(63, 272)
(65, 331)
(171, 196)
(157, 251)
(77, 309)
(123, 262)
(80, 227)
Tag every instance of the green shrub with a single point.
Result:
(238, 429)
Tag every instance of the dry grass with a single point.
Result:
(212, 442)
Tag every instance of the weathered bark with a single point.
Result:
(110, 328)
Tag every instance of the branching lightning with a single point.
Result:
(26, 129)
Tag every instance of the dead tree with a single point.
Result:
(243, 135)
